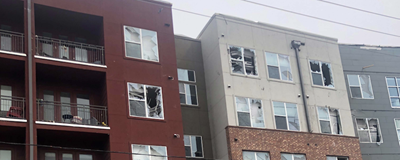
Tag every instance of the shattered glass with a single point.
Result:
(150, 45)
(361, 124)
(242, 104)
(366, 86)
(132, 34)
(327, 74)
(154, 102)
(257, 113)
(235, 53)
(159, 152)
(314, 65)
(136, 91)
(237, 67)
(373, 129)
(284, 65)
(250, 62)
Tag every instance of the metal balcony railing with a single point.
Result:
(57, 112)
(69, 50)
(12, 107)
(11, 41)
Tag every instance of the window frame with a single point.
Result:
(149, 149)
(397, 87)
(359, 82)
(397, 129)
(279, 67)
(243, 61)
(337, 157)
(202, 145)
(330, 121)
(369, 133)
(194, 73)
(322, 77)
(145, 102)
(287, 119)
(249, 105)
(184, 87)
(293, 154)
(140, 43)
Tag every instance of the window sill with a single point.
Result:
(246, 76)
(142, 60)
(280, 81)
(146, 119)
(195, 157)
(323, 87)
(365, 99)
(189, 105)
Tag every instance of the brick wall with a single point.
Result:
(314, 145)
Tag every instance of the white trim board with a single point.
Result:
(13, 120)
(68, 61)
(71, 125)
(13, 53)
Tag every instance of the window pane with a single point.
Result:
(273, 72)
(188, 151)
(49, 156)
(391, 81)
(398, 134)
(140, 149)
(335, 121)
(281, 122)
(242, 104)
(366, 86)
(314, 66)
(244, 119)
(237, 67)
(182, 97)
(279, 108)
(133, 50)
(5, 155)
(182, 88)
(355, 92)
(198, 152)
(132, 34)
(342, 158)
(397, 123)
(299, 157)
(353, 80)
(250, 62)
(286, 156)
(257, 113)
(262, 156)
(85, 157)
(285, 67)
(137, 108)
(188, 95)
(160, 152)
(191, 76)
(327, 74)
(271, 59)
(66, 156)
(154, 102)
(191, 95)
(249, 156)
(374, 130)
(293, 118)
(323, 113)
(325, 126)
(331, 158)
(150, 45)
(186, 140)
(395, 102)
(393, 92)
(361, 124)
(364, 136)
(235, 52)
(317, 79)
(194, 146)
(183, 75)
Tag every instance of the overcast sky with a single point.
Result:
(191, 25)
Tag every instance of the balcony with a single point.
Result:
(11, 41)
(12, 107)
(70, 113)
(69, 50)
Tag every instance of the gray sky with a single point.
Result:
(191, 25)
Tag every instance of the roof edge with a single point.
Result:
(367, 45)
(186, 38)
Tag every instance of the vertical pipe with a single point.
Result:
(30, 79)
(296, 45)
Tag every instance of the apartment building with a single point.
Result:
(103, 83)
(259, 108)
(372, 79)
(193, 98)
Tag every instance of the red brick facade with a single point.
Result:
(315, 146)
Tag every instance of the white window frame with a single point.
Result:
(359, 82)
(322, 77)
(149, 149)
(140, 43)
(186, 98)
(194, 73)
(369, 133)
(398, 89)
(330, 121)
(145, 101)
(286, 116)
(294, 155)
(190, 141)
(279, 66)
(255, 154)
(249, 105)
(244, 64)
(397, 129)
(337, 157)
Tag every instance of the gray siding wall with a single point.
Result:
(195, 118)
(385, 63)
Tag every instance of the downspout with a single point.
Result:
(296, 46)
(30, 79)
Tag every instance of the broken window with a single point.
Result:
(147, 152)
(286, 116)
(250, 112)
(243, 60)
(247, 155)
(336, 158)
(321, 73)
(393, 84)
(278, 66)
(186, 75)
(360, 86)
(368, 130)
(145, 101)
(141, 43)
(193, 146)
(329, 120)
(286, 156)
